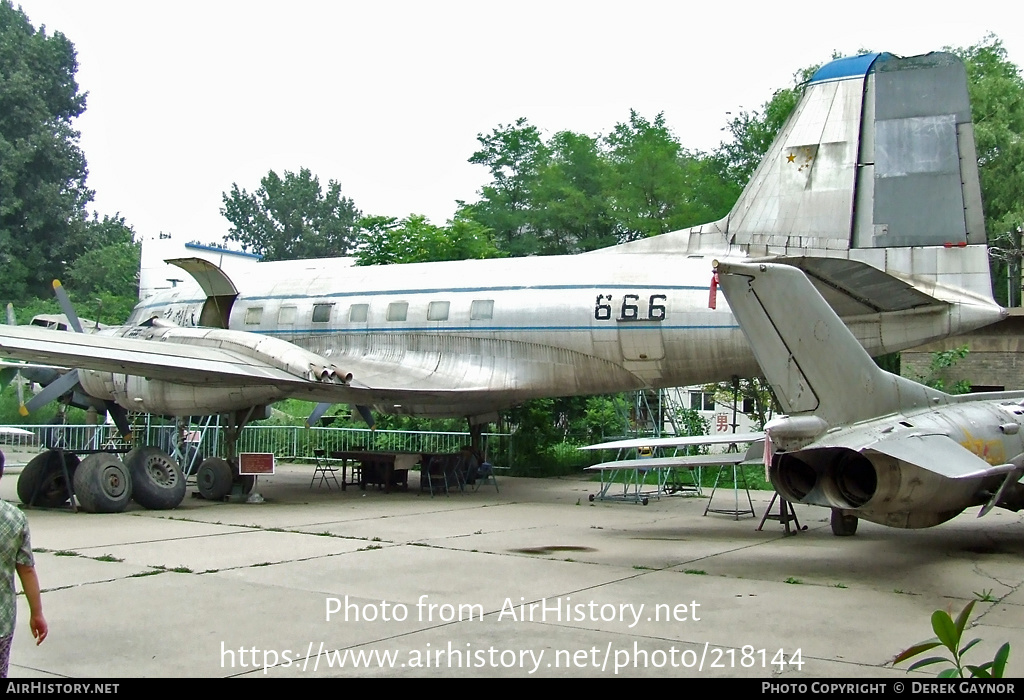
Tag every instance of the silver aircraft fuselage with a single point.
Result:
(477, 336)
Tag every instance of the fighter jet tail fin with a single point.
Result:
(812, 361)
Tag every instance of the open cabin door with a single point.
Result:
(220, 290)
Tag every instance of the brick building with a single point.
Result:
(995, 361)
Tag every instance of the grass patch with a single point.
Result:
(793, 580)
(838, 585)
(108, 557)
(152, 572)
(66, 553)
(696, 572)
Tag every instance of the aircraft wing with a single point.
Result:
(941, 455)
(168, 361)
(681, 462)
(678, 441)
(198, 357)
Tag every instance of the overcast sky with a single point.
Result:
(388, 97)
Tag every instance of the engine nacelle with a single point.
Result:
(193, 395)
(172, 399)
(874, 486)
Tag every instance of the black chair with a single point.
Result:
(324, 470)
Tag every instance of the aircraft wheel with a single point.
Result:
(103, 484)
(43, 477)
(214, 478)
(590, 498)
(157, 482)
(843, 525)
(645, 501)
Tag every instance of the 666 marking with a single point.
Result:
(629, 308)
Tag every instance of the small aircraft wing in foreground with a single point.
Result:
(632, 473)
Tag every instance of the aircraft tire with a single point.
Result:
(214, 478)
(843, 525)
(157, 481)
(44, 477)
(103, 484)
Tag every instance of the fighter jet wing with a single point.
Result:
(924, 451)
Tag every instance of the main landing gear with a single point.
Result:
(102, 482)
(843, 525)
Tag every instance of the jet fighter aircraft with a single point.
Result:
(859, 440)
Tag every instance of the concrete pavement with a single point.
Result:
(234, 589)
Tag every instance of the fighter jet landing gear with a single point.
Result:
(843, 525)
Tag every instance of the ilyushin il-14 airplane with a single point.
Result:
(871, 188)
(861, 441)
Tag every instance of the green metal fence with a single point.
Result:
(286, 442)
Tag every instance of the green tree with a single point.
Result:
(647, 178)
(569, 207)
(514, 155)
(384, 240)
(42, 169)
(939, 367)
(997, 108)
(291, 218)
(104, 281)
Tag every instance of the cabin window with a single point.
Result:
(357, 313)
(481, 310)
(322, 313)
(398, 310)
(253, 315)
(286, 315)
(702, 401)
(438, 311)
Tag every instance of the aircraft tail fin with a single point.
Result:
(874, 172)
(814, 364)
